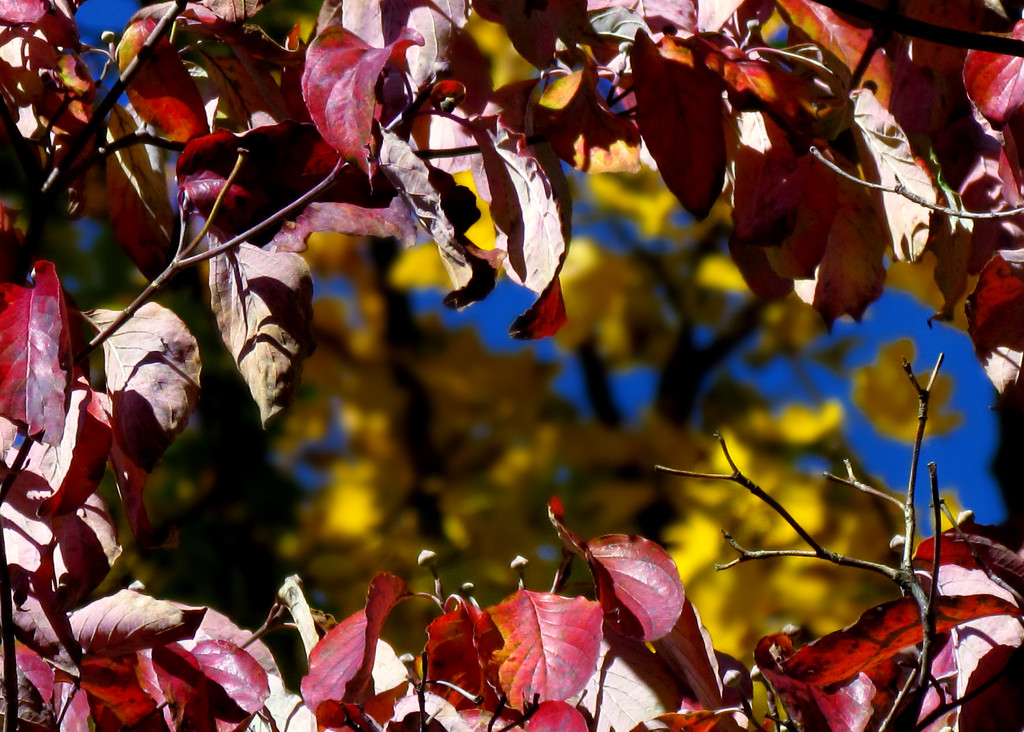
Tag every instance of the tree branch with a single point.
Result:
(901, 190)
(817, 550)
(991, 42)
(7, 598)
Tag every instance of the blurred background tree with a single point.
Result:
(418, 427)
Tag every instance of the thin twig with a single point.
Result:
(7, 597)
(863, 487)
(902, 190)
(184, 262)
(740, 479)
(139, 138)
(215, 209)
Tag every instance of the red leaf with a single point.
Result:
(700, 721)
(35, 354)
(679, 113)
(131, 480)
(179, 682)
(880, 634)
(129, 621)
(114, 682)
(850, 708)
(995, 81)
(162, 92)
(339, 86)
(73, 469)
(544, 318)
(551, 645)
(263, 303)
(960, 546)
(995, 324)
(235, 671)
(340, 664)
(556, 716)
(460, 645)
(690, 654)
(637, 583)
(152, 368)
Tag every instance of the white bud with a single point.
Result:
(426, 558)
(897, 543)
(520, 562)
(965, 517)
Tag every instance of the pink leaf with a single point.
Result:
(35, 354)
(263, 304)
(341, 663)
(551, 645)
(994, 81)
(129, 621)
(637, 583)
(235, 671)
(339, 86)
(152, 368)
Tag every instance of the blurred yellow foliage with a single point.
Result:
(884, 393)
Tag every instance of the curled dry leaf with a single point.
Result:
(140, 208)
(152, 369)
(263, 303)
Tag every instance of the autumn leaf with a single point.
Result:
(129, 621)
(235, 671)
(35, 354)
(993, 81)
(140, 208)
(556, 716)
(162, 92)
(536, 28)
(678, 112)
(551, 645)
(263, 304)
(995, 325)
(152, 369)
(340, 665)
(339, 83)
(881, 633)
(459, 648)
(114, 684)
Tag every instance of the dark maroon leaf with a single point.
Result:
(128, 621)
(678, 111)
(152, 372)
(551, 645)
(690, 654)
(340, 664)
(131, 480)
(544, 318)
(263, 304)
(182, 686)
(536, 27)
(35, 354)
(339, 86)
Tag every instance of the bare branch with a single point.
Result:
(852, 481)
(911, 196)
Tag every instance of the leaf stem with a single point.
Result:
(902, 190)
(7, 596)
